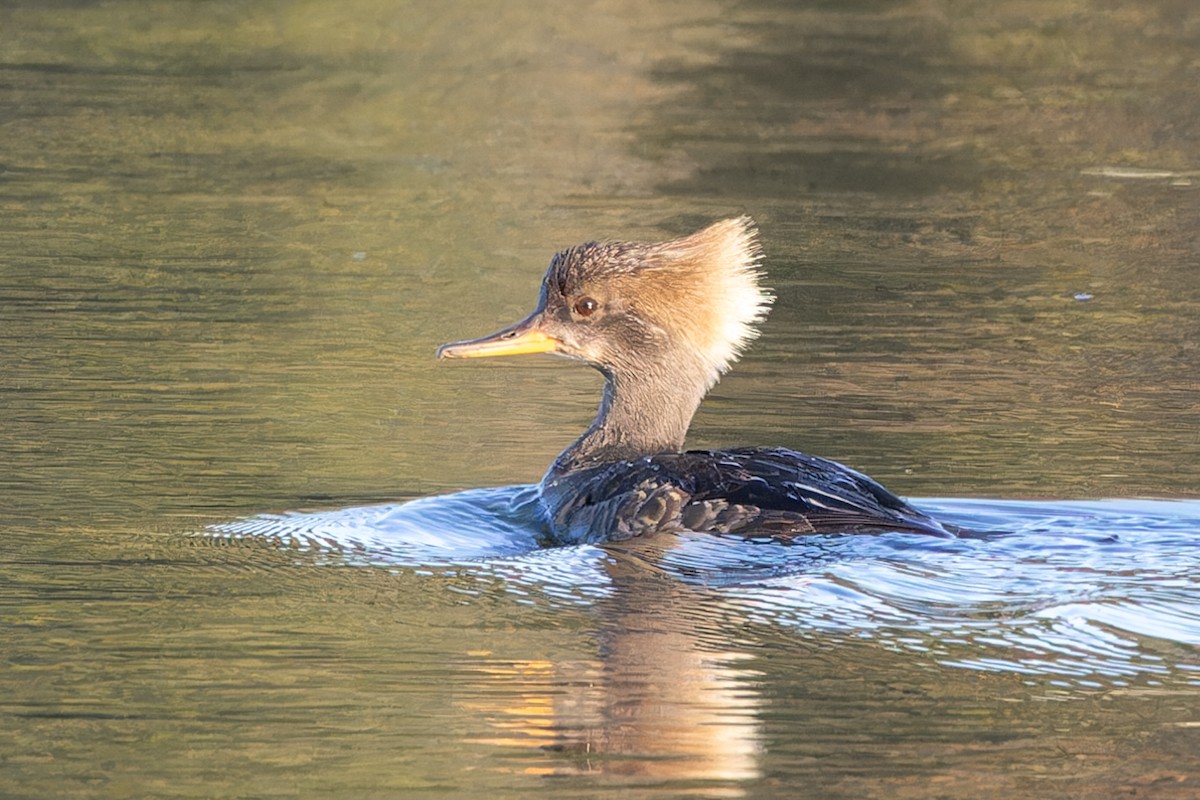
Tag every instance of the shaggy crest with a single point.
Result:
(662, 322)
(711, 279)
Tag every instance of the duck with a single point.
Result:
(662, 322)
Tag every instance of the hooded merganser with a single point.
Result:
(662, 322)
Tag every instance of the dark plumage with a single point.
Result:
(753, 492)
(662, 322)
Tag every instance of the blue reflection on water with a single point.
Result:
(1092, 592)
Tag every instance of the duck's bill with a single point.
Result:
(522, 338)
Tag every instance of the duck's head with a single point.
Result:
(688, 306)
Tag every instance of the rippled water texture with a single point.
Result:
(1074, 590)
(246, 553)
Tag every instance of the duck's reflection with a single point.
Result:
(658, 704)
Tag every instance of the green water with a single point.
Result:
(231, 236)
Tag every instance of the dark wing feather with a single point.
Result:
(751, 492)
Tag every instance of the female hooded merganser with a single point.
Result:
(662, 322)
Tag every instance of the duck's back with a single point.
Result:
(749, 492)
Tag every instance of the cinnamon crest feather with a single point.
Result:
(700, 292)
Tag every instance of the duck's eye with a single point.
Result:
(585, 306)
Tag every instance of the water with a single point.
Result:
(1064, 589)
(232, 236)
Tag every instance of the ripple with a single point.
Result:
(1091, 593)
(431, 531)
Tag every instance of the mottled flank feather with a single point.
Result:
(749, 492)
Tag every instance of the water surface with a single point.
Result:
(232, 237)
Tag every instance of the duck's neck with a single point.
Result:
(641, 413)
